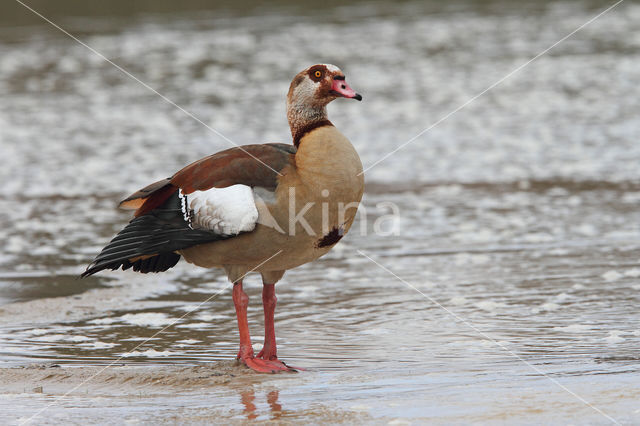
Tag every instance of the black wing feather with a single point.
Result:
(151, 241)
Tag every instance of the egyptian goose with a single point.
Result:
(264, 208)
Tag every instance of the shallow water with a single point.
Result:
(518, 251)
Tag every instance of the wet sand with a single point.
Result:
(227, 393)
(55, 379)
(103, 388)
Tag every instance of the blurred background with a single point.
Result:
(519, 213)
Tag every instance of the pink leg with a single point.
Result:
(269, 350)
(241, 301)
(269, 301)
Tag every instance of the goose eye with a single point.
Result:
(318, 74)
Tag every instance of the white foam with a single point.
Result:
(611, 276)
(489, 305)
(62, 338)
(574, 328)
(458, 301)
(633, 273)
(150, 353)
(38, 331)
(102, 321)
(586, 229)
(614, 337)
(188, 341)
(148, 319)
(197, 325)
(97, 345)
(562, 297)
(549, 306)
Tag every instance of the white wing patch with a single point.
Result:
(227, 211)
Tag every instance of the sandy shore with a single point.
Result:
(221, 392)
(121, 379)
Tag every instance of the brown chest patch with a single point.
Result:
(331, 238)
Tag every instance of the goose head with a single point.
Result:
(312, 89)
(318, 85)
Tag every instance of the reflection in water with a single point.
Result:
(272, 399)
(248, 397)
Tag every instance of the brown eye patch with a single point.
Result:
(296, 81)
(317, 73)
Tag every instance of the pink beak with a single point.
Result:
(341, 88)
